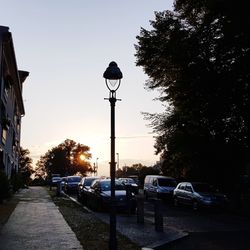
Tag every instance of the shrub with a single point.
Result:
(16, 181)
(4, 186)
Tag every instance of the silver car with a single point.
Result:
(157, 186)
(198, 194)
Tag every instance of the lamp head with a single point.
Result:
(113, 76)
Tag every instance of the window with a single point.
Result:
(155, 182)
(4, 135)
(188, 188)
(1, 159)
(7, 87)
(3, 112)
(105, 186)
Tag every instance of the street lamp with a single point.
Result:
(96, 165)
(113, 77)
(117, 161)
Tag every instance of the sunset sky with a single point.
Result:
(66, 46)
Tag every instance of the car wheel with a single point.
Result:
(195, 205)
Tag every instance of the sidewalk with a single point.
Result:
(36, 223)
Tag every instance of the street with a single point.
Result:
(206, 220)
(206, 228)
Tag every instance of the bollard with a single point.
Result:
(58, 188)
(129, 197)
(140, 209)
(158, 216)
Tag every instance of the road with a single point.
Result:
(207, 229)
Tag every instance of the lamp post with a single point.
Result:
(113, 77)
(94, 169)
(96, 165)
(117, 161)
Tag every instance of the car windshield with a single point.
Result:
(105, 186)
(74, 179)
(56, 178)
(88, 181)
(131, 181)
(166, 182)
(203, 187)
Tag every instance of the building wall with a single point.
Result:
(11, 104)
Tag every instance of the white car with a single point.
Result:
(198, 194)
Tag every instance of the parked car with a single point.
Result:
(130, 183)
(83, 187)
(71, 184)
(62, 183)
(198, 194)
(158, 186)
(98, 197)
(55, 180)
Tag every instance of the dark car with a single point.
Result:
(83, 187)
(55, 180)
(98, 197)
(130, 183)
(198, 194)
(62, 183)
(71, 184)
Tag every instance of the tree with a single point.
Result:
(128, 171)
(65, 159)
(197, 56)
(25, 165)
(137, 170)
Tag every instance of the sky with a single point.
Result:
(66, 46)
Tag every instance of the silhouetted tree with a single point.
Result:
(198, 56)
(25, 165)
(137, 170)
(127, 171)
(64, 160)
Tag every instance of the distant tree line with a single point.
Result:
(138, 170)
(198, 57)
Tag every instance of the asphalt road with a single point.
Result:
(207, 229)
